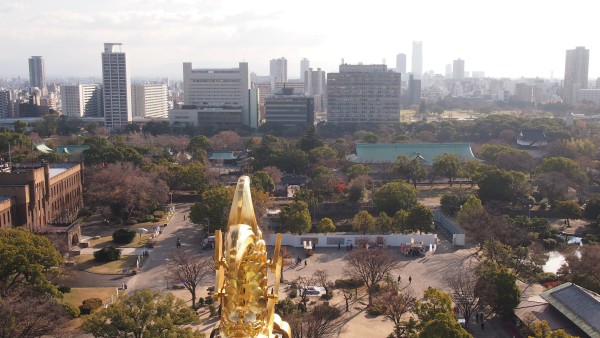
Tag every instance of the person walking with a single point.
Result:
(399, 278)
(305, 262)
(409, 279)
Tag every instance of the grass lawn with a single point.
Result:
(87, 263)
(78, 295)
(107, 240)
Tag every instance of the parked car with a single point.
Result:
(314, 290)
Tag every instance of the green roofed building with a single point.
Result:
(368, 153)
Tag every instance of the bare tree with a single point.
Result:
(370, 266)
(190, 270)
(462, 283)
(28, 313)
(395, 303)
(323, 321)
(321, 279)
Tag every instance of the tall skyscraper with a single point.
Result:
(401, 63)
(458, 69)
(363, 93)
(5, 104)
(417, 59)
(304, 65)
(116, 87)
(414, 91)
(278, 70)
(83, 100)
(37, 74)
(149, 100)
(448, 73)
(576, 73)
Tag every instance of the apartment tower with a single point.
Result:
(576, 73)
(37, 74)
(116, 87)
(417, 59)
(363, 94)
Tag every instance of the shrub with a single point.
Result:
(375, 310)
(107, 254)
(549, 243)
(294, 293)
(328, 295)
(132, 221)
(309, 253)
(146, 218)
(546, 277)
(64, 289)
(90, 305)
(158, 214)
(348, 283)
(213, 311)
(200, 302)
(123, 236)
(73, 311)
(208, 300)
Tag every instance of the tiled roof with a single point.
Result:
(388, 153)
(72, 148)
(580, 305)
(222, 155)
(532, 135)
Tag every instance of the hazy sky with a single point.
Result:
(503, 38)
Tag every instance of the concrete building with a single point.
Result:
(589, 95)
(207, 117)
(576, 73)
(297, 86)
(83, 100)
(43, 198)
(150, 100)
(304, 66)
(225, 88)
(417, 59)
(363, 93)
(315, 85)
(37, 74)
(6, 104)
(278, 70)
(116, 87)
(448, 73)
(290, 110)
(401, 63)
(414, 91)
(458, 69)
(524, 92)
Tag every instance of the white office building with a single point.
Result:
(417, 59)
(83, 100)
(150, 100)
(221, 88)
(278, 70)
(116, 87)
(304, 66)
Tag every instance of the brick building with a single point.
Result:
(44, 198)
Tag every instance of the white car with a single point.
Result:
(314, 291)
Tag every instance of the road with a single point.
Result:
(151, 274)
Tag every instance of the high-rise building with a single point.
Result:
(6, 104)
(363, 93)
(116, 87)
(220, 88)
(304, 65)
(417, 59)
(458, 69)
(314, 86)
(37, 74)
(278, 70)
(414, 91)
(448, 71)
(290, 110)
(576, 73)
(401, 63)
(150, 100)
(83, 100)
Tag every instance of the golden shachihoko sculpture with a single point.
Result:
(247, 301)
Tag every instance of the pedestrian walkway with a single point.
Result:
(124, 251)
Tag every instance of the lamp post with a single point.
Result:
(171, 201)
(207, 227)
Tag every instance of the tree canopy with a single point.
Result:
(395, 196)
(144, 313)
(295, 217)
(215, 203)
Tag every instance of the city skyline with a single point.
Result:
(162, 34)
